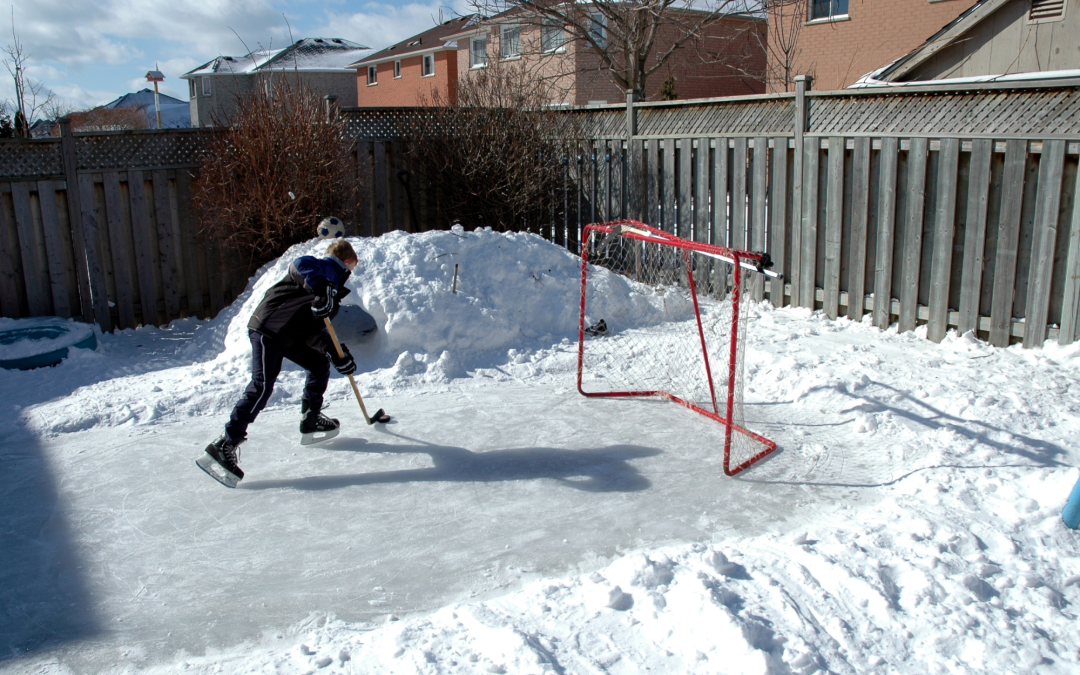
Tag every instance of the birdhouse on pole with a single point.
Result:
(156, 76)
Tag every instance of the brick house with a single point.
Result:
(323, 64)
(575, 72)
(842, 40)
(409, 72)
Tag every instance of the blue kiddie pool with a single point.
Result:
(41, 341)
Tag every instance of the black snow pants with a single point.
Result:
(266, 358)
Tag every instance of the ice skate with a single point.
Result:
(220, 462)
(316, 427)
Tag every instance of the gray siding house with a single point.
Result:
(322, 64)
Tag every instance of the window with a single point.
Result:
(191, 88)
(478, 53)
(510, 42)
(372, 75)
(205, 86)
(429, 65)
(397, 69)
(827, 9)
(598, 28)
(552, 36)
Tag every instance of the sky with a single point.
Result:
(89, 52)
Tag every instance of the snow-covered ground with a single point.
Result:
(910, 522)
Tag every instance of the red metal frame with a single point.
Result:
(656, 236)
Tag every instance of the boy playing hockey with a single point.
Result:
(288, 324)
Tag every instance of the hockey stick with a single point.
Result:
(379, 416)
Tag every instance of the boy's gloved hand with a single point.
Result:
(343, 364)
(325, 301)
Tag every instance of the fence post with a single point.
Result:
(331, 106)
(635, 177)
(84, 238)
(802, 85)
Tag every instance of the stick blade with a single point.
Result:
(380, 416)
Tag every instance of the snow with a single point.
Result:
(910, 522)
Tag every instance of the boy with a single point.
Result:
(288, 324)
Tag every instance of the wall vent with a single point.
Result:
(1046, 10)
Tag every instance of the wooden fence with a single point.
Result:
(956, 206)
(99, 227)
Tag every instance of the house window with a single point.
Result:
(372, 75)
(191, 88)
(598, 28)
(1047, 10)
(510, 43)
(205, 86)
(429, 65)
(827, 9)
(397, 69)
(478, 53)
(552, 36)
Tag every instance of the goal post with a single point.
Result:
(666, 317)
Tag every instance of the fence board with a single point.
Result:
(944, 226)
(667, 197)
(381, 214)
(739, 234)
(759, 189)
(1051, 168)
(778, 220)
(975, 234)
(1007, 243)
(10, 271)
(194, 279)
(1070, 304)
(809, 226)
(883, 258)
(118, 245)
(834, 226)
(860, 199)
(38, 298)
(701, 191)
(59, 279)
(145, 250)
(89, 237)
(170, 277)
(685, 181)
(913, 229)
(720, 193)
(652, 182)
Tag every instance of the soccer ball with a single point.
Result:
(331, 228)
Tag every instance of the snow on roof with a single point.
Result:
(304, 54)
(140, 98)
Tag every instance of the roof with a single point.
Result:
(956, 28)
(142, 98)
(430, 40)
(304, 54)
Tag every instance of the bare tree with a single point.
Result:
(493, 152)
(109, 119)
(31, 96)
(786, 19)
(632, 39)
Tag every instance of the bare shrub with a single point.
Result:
(281, 165)
(493, 149)
(109, 119)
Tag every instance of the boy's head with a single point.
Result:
(343, 251)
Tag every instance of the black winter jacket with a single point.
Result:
(284, 315)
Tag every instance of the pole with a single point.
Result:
(157, 105)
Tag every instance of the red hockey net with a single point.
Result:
(663, 316)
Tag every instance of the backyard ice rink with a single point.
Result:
(910, 522)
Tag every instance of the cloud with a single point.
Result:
(381, 24)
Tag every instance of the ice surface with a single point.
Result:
(502, 523)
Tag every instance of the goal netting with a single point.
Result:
(663, 316)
